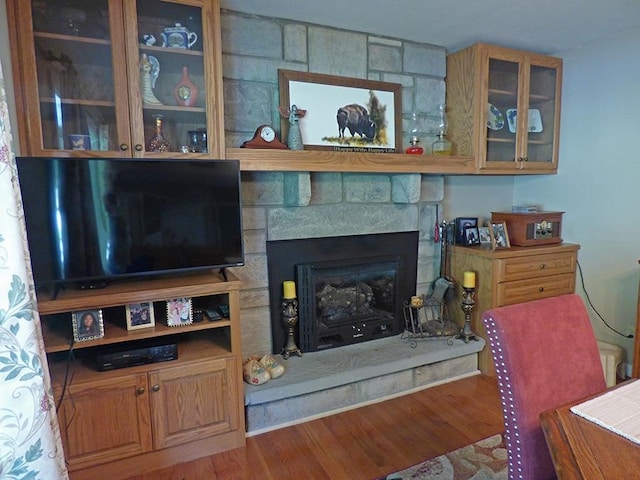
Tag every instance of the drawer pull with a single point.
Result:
(541, 289)
(542, 265)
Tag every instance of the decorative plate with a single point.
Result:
(535, 120)
(495, 119)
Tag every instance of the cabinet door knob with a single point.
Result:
(124, 147)
(140, 390)
(156, 388)
(541, 289)
(139, 147)
(542, 265)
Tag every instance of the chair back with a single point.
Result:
(546, 355)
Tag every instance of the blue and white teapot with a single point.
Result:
(178, 37)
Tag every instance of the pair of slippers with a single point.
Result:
(258, 370)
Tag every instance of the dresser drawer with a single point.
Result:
(520, 268)
(519, 291)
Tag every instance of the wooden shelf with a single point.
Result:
(334, 161)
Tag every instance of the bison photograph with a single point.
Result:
(356, 119)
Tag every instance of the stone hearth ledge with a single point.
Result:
(316, 373)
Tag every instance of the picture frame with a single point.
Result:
(325, 125)
(87, 325)
(499, 235)
(472, 236)
(484, 235)
(140, 315)
(179, 312)
(460, 224)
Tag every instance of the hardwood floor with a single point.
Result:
(364, 443)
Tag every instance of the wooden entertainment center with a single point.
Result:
(117, 422)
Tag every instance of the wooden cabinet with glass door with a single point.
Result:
(103, 78)
(487, 87)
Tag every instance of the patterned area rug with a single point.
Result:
(483, 460)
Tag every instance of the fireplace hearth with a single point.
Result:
(350, 289)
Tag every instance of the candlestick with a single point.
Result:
(290, 319)
(289, 289)
(469, 280)
(467, 305)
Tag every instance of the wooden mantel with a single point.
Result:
(332, 161)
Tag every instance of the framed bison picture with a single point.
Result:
(342, 113)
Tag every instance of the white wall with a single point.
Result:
(598, 182)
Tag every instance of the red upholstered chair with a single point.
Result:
(546, 355)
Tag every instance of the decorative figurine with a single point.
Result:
(149, 39)
(148, 74)
(294, 139)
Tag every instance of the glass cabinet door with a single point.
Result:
(540, 127)
(503, 94)
(167, 58)
(80, 96)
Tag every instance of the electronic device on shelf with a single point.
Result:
(94, 220)
(130, 357)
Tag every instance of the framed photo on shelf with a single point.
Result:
(472, 236)
(343, 113)
(484, 235)
(87, 325)
(179, 312)
(460, 225)
(140, 315)
(499, 235)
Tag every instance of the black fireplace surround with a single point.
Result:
(350, 288)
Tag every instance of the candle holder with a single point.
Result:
(468, 303)
(290, 319)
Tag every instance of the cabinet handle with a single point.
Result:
(541, 289)
(138, 147)
(140, 390)
(156, 388)
(124, 147)
(525, 159)
(542, 265)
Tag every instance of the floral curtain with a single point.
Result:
(30, 446)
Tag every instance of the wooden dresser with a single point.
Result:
(508, 276)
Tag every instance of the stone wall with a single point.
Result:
(285, 205)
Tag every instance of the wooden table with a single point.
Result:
(581, 449)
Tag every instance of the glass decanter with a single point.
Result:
(158, 143)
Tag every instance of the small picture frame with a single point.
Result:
(140, 315)
(499, 235)
(179, 312)
(484, 235)
(87, 325)
(461, 224)
(472, 236)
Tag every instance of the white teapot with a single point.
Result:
(178, 37)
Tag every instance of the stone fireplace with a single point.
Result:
(350, 288)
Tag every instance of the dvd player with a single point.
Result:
(136, 356)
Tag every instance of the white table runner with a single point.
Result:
(617, 410)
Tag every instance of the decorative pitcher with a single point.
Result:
(178, 37)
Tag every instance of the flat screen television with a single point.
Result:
(91, 221)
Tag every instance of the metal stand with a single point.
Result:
(290, 319)
(467, 305)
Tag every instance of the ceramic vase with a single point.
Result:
(185, 91)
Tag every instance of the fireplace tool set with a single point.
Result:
(426, 315)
